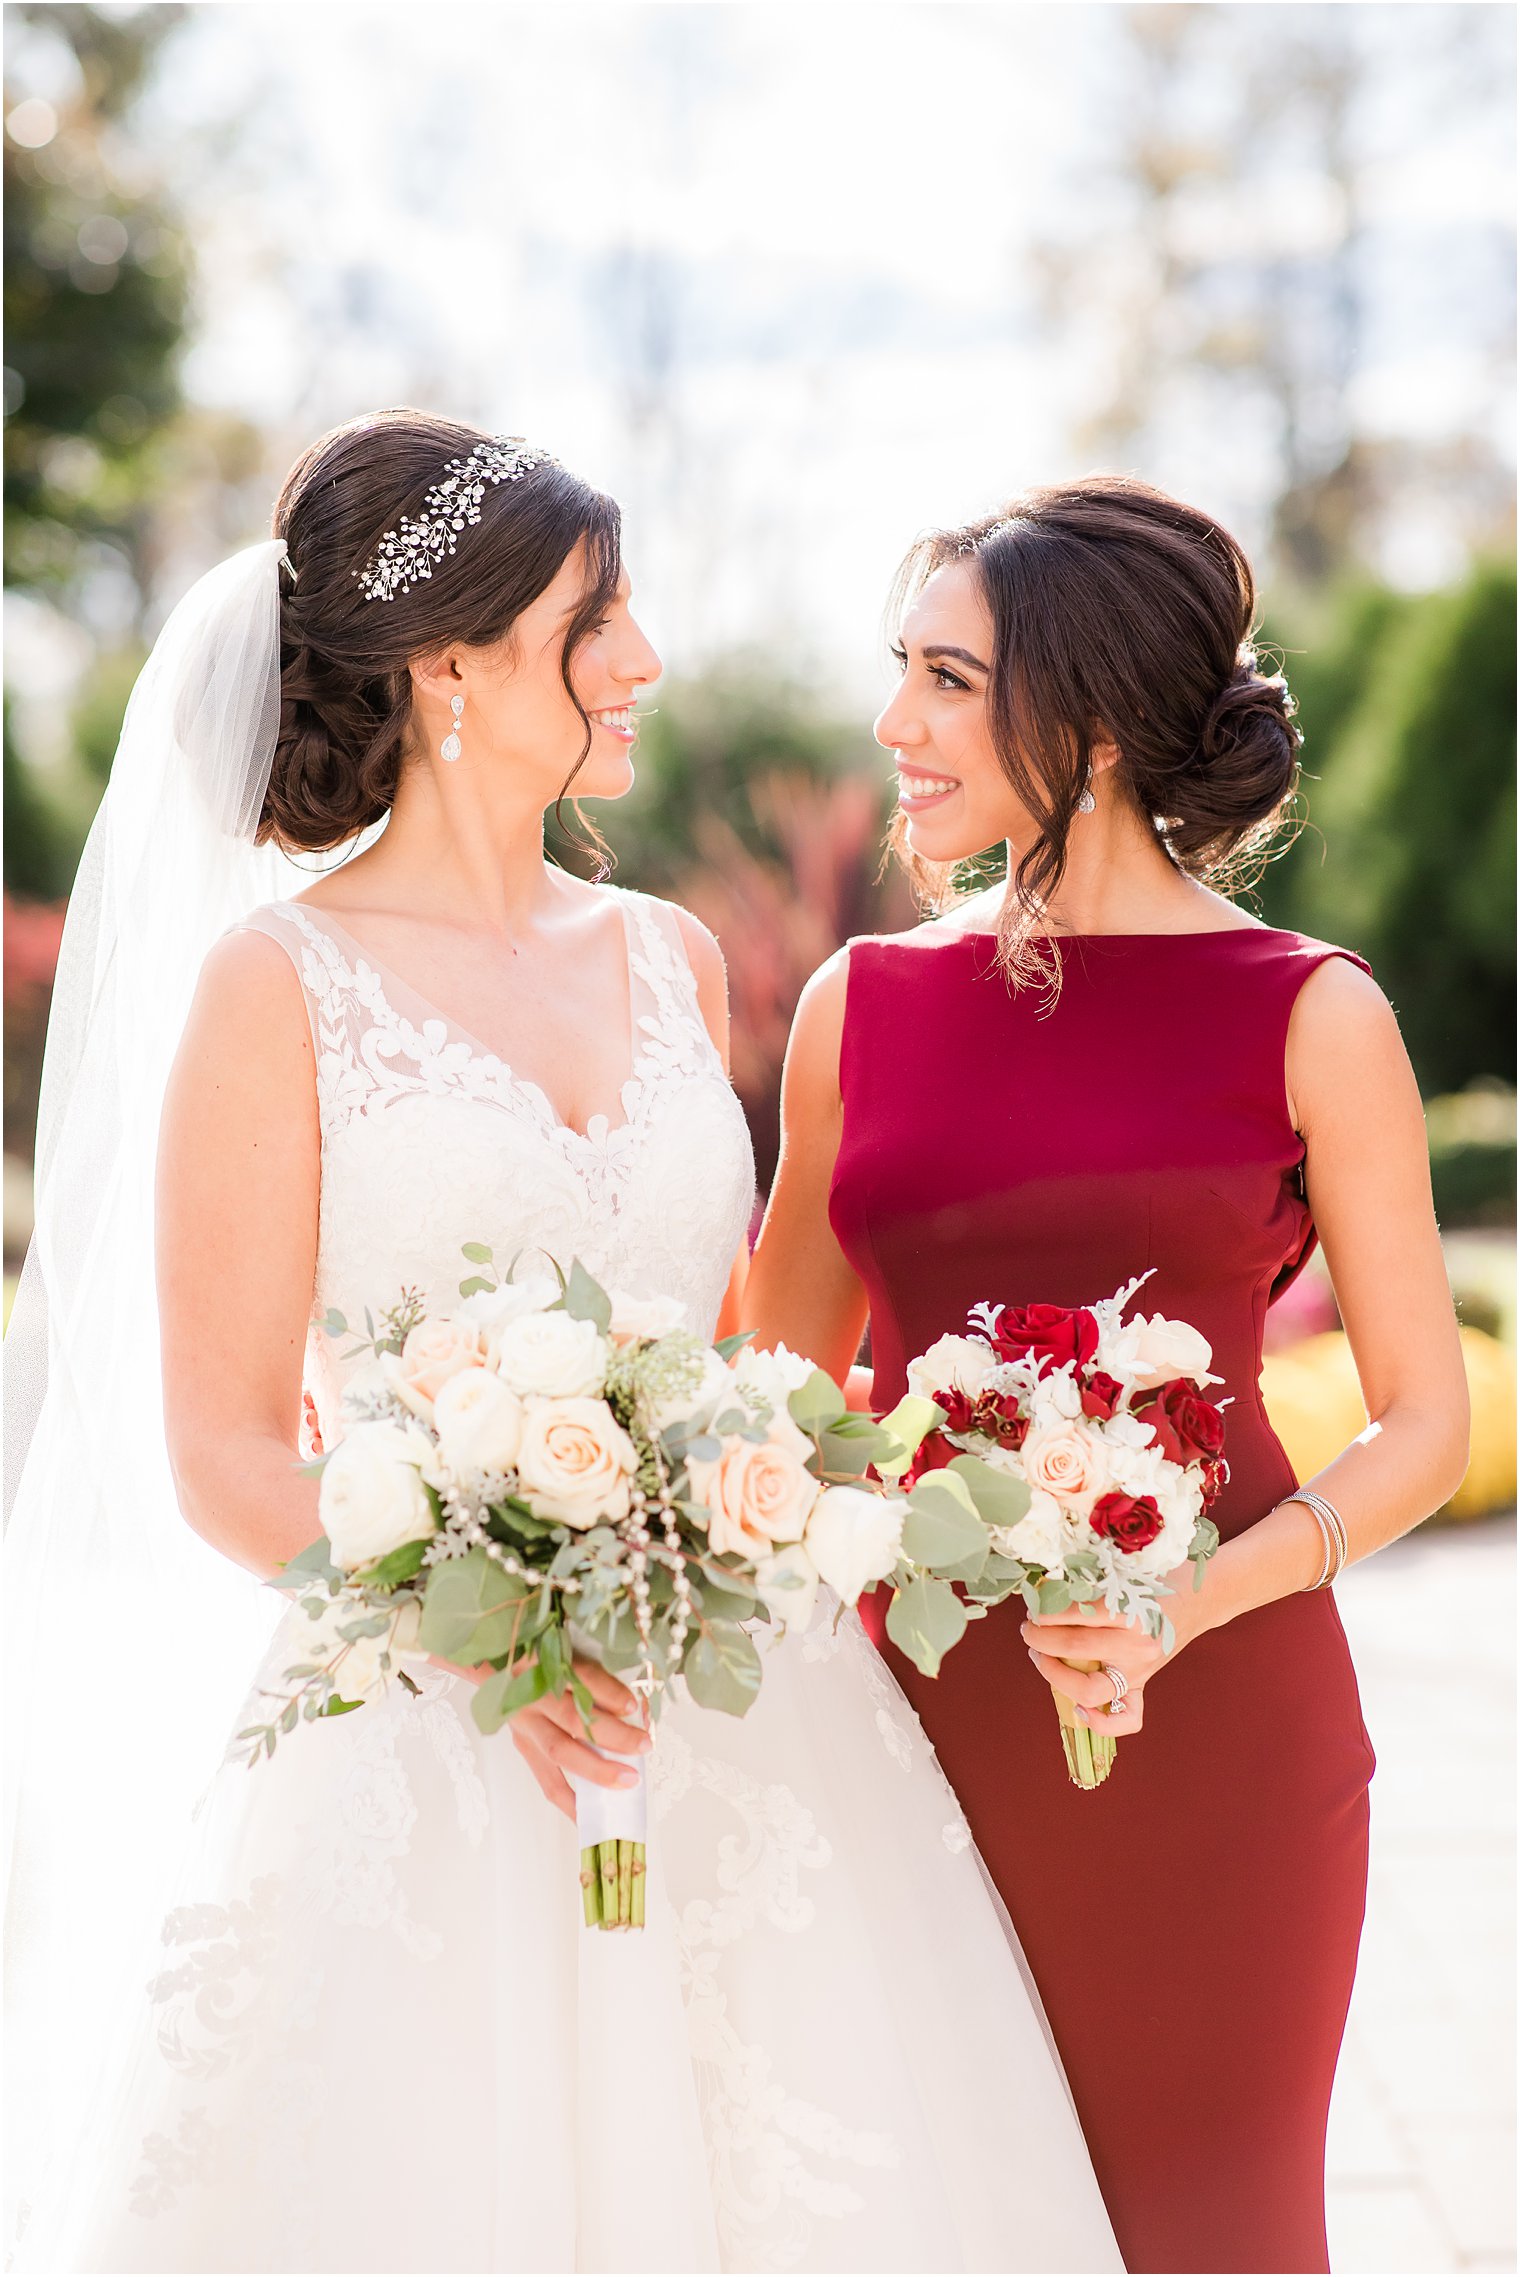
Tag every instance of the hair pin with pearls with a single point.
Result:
(409, 553)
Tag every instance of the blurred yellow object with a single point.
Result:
(1315, 1404)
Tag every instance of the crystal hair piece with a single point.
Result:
(408, 553)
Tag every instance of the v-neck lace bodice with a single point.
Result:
(429, 1140)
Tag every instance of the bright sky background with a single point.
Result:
(833, 211)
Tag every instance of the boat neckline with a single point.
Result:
(1205, 933)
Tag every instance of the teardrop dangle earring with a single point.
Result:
(1086, 803)
(451, 747)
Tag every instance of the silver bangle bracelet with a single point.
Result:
(1325, 1544)
(1333, 1527)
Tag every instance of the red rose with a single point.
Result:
(1102, 1396)
(959, 1410)
(1050, 1334)
(997, 1417)
(1188, 1427)
(1131, 1521)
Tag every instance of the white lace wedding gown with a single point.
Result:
(379, 2038)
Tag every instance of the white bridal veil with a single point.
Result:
(127, 1641)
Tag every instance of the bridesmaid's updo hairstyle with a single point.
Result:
(345, 692)
(1120, 616)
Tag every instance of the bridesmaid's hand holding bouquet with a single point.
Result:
(1091, 1446)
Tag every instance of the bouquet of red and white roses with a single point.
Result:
(1089, 1443)
(551, 1469)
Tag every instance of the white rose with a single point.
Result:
(757, 1492)
(1038, 1538)
(955, 1363)
(770, 1376)
(1067, 1461)
(489, 1310)
(788, 1583)
(1145, 1353)
(853, 1538)
(550, 1354)
(575, 1461)
(434, 1351)
(371, 1497)
(638, 1317)
(479, 1422)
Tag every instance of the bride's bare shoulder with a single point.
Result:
(248, 1013)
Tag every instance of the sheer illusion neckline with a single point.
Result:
(599, 1128)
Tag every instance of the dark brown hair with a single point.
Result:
(345, 693)
(1119, 616)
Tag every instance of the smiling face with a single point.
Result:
(952, 790)
(518, 716)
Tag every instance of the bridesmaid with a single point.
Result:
(1105, 1067)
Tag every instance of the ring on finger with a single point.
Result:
(1120, 1683)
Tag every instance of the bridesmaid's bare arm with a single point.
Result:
(803, 1292)
(236, 1234)
(1353, 1097)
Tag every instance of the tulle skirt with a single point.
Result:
(377, 2037)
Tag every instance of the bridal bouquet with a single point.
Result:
(1090, 1445)
(552, 1469)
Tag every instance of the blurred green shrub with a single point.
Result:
(1408, 709)
(1472, 1156)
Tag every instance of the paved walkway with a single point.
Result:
(1422, 2130)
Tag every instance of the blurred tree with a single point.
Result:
(96, 283)
(1225, 287)
(1408, 711)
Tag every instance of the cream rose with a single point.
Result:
(575, 1461)
(634, 1318)
(479, 1422)
(435, 1351)
(1067, 1462)
(757, 1492)
(550, 1355)
(371, 1497)
(853, 1538)
(955, 1363)
(1149, 1352)
(788, 1583)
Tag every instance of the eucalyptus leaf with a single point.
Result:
(725, 1604)
(554, 1658)
(314, 1563)
(336, 1705)
(478, 1253)
(817, 1404)
(475, 1286)
(942, 1528)
(586, 1299)
(1056, 1596)
(472, 1609)
(1001, 1499)
(500, 1696)
(396, 1566)
(727, 1346)
(924, 1621)
(722, 1669)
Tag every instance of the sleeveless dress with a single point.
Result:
(377, 2037)
(1193, 1923)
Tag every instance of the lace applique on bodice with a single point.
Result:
(430, 1141)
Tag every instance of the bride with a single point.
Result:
(372, 2034)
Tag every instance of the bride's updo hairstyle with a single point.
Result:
(345, 693)
(1119, 615)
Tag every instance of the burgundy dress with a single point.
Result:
(1193, 1923)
